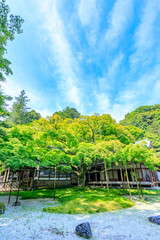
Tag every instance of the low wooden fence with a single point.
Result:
(6, 186)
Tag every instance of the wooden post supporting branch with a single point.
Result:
(55, 183)
(128, 183)
(16, 202)
(105, 167)
(151, 176)
(136, 180)
(8, 175)
(10, 188)
(4, 178)
(140, 182)
(122, 178)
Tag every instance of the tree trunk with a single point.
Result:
(106, 176)
(82, 179)
(128, 183)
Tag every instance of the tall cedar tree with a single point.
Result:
(20, 109)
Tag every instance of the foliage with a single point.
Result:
(3, 98)
(76, 142)
(2, 207)
(146, 118)
(18, 150)
(9, 25)
(31, 116)
(19, 109)
(71, 145)
(137, 154)
(68, 112)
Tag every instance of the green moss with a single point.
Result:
(2, 208)
(83, 201)
(87, 200)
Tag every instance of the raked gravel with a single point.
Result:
(29, 222)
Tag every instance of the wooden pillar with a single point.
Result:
(8, 175)
(151, 175)
(136, 180)
(89, 177)
(106, 175)
(141, 172)
(128, 183)
(122, 178)
(55, 183)
(139, 181)
(49, 174)
(95, 173)
(4, 177)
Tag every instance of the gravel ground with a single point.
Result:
(29, 222)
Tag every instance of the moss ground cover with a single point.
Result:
(86, 200)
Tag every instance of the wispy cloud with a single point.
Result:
(118, 20)
(143, 92)
(61, 54)
(88, 12)
(117, 108)
(109, 78)
(144, 35)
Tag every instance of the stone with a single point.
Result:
(16, 204)
(1, 211)
(147, 199)
(84, 230)
(155, 219)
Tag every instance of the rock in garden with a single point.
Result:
(155, 219)
(2, 208)
(16, 204)
(147, 199)
(84, 230)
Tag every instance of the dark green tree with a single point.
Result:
(32, 115)
(20, 109)
(68, 113)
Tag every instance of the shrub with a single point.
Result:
(2, 208)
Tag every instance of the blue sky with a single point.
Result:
(99, 56)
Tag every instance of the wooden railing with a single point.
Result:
(5, 186)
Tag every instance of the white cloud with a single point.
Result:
(118, 108)
(119, 20)
(103, 102)
(144, 35)
(88, 12)
(44, 112)
(61, 54)
(145, 91)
